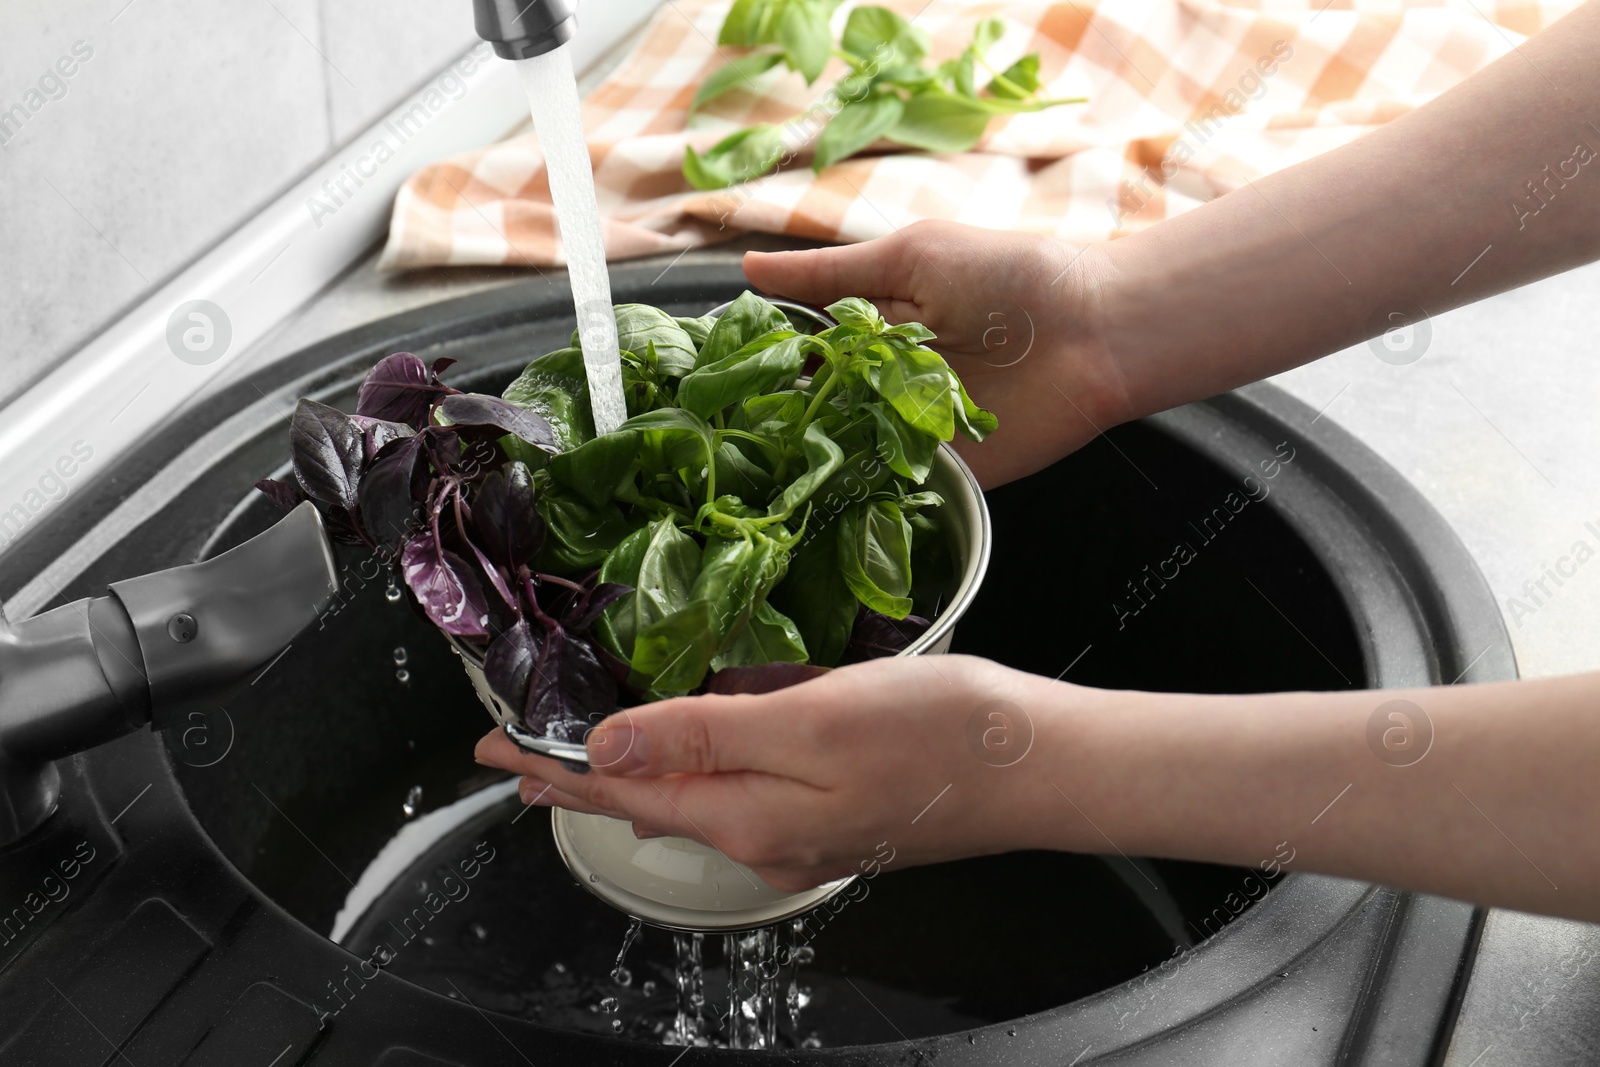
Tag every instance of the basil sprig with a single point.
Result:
(889, 93)
(760, 508)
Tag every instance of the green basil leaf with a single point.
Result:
(863, 473)
(735, 74)
(581, 535)
(639, 326)
(769, 637)
(816, 597)
(674, 654)
(988, 34)
(914, 332)
(875, 556)
(683, 438)
(855, 312)
(807, 41)
(771, 361)
(668, 566)
(1018, 81)
(596, 468)
(882, 36)
(555, 388)
(774, 413)
(938, 121)
(972, 420)
(739, 157)
(746, 319)
(907, 450)
(615, 627)
(743, 24)
(918, 383)
(698, 329)
(856, 127)
(741, 475)
(823, 458)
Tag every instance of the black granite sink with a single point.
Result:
(1228, 546)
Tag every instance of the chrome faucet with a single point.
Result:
(151, 652)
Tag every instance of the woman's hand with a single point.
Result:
(1015, 314)
(807, 784)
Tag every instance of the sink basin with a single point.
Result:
(282, 819)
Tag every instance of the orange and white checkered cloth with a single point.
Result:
(1187, 100)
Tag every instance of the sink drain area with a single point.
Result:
(1228, 546)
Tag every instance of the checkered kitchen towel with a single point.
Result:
(1188, 99)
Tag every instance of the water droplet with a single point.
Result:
(1012, 1032)
(413, 801)
(609, 1005)
(480, 933)
(402, 676)
(400, 656)
(805, 954)
(622, 976)
(649, 988)
(594, 878)
(392, 594)
(616, 1026)
(559, 968)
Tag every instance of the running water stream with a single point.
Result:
(557, 118)
(752, 958)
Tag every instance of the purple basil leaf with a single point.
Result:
(491, 572)
(766, 678)
(571, 688)
(389, 491)
(329, 450)
(445, 587)
(876, 635)
(400, 388)
(507, 518)
(477, 411)
(443, 447)
(442, 364)
(586, 609)
(287, 495)
(379, 432)
(509, 664)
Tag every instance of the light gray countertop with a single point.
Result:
(1495, 422)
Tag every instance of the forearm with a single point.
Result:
(1500, 809)
(1435, 209)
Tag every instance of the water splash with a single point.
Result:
(557, 118)
(393, 593)
(620, 973)
(689, 1026)
(413, 802)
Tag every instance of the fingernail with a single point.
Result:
(647, 835)
(529, 791)
(618, 749)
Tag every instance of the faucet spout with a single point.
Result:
(521, 29)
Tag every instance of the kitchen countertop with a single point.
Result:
(1492, 417)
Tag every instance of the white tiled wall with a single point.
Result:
(178, 120)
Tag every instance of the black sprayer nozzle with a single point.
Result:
(158, 648)
(519, 29)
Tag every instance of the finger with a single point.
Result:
(534, 793)
(701, 735)
(874, 269)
